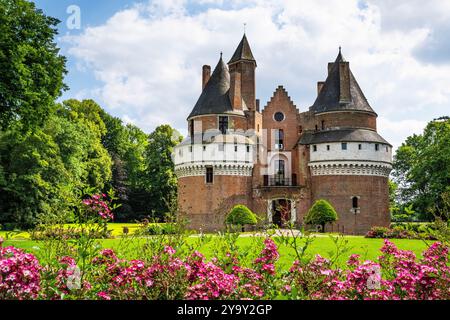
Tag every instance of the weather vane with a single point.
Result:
(245, 27)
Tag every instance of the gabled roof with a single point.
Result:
(243, 52)
(215, 96)
(329, 98)
(342, 135)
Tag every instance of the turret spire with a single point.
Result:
(243, 52)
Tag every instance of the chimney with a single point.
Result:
(330, 66)
(257, 104)
(235, 88)
(206, 74)
(320, 85)
(344, 82)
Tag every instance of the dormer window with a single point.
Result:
(223, 124)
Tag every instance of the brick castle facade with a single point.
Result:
(279, 160)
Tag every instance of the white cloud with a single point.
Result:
(148, 58)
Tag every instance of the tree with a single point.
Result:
(422, 169)
(240, 215)
(321, 213)
(160, 169)
(32, 70)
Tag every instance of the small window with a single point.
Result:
(323, 124)
(235, 148)
(248, 148)
(344, 146)
(328, 147)
(315, 148)
(223, 124)
(387, 149)
(209, 175)
(317, 128)
(355, 203)
(204, 148)
(221, 147)
(279, 116)
(377, 147)
(359, 146)
(191, 128)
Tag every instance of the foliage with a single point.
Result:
(399, 232)
(160, 170)
(422, 169)
(321, 213)
(32, 69)
(240, 215)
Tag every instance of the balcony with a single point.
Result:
(280, 181)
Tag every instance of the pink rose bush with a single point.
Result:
(19, 274)
(98, 204)
(396, 275)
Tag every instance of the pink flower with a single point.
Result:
(103, 295)
(169, 250)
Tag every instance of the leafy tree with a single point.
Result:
(160, 173)
(35, 180)
(422, 169)
(322, 212)
(240, 215)
(32, 70)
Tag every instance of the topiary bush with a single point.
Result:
(240, 215)
(322, 212)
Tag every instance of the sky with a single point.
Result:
(141, 60)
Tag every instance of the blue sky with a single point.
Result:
(141, 60)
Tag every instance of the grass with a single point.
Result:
(369, 249)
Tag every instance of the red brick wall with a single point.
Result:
(206, 205)
(339, 190)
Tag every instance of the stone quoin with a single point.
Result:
(279, 160)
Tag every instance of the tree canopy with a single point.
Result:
(422, 169)
(321, 213)
(32, 71)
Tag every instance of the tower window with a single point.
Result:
(323, 124)
(235, 148)
(190, 149)
(344, 145)
(359, 146)
(387, 149)
(209, 175)
(204, 148)
(223, 124)
(191, 128)
(314, 148)
(328, 147)
(377, 147)
(355, 202)
(248, 148)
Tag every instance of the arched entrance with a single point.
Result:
(281, 212)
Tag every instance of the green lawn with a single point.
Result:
(368, 248)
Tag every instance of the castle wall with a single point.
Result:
(206, 205)
(373, 201)
(349, 119)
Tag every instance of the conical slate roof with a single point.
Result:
(329, 98)
(215, 96)
(243, 52)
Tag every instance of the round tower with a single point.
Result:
(215, 163)
(349, 161)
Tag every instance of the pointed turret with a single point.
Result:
(341, 91)
(242, 72)
(243, 52)
(215, 96)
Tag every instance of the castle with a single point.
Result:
(278, 161)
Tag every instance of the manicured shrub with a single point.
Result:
(321, 213)
(240, 215)
(397, 232)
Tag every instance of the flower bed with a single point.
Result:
(396, 275)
